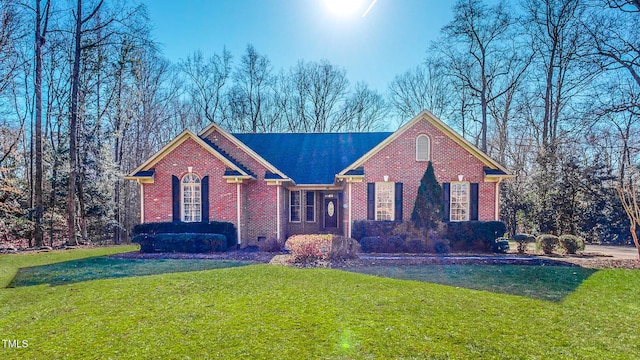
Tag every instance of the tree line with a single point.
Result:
(549, 88)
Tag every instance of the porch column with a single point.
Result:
(350, 203)
(238, 210)
(497, 200)
(141, 202)
(278, 185)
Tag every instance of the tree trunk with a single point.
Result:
(73, 131)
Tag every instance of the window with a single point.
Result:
(423, 151)
(459, 201)
(385, 200)
(311, 206)
(294, 206)
(191, 198)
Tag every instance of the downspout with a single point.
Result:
(238, 201)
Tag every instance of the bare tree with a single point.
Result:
(366, 110)
(474, 47)
(628, 194)
(424, 87)
(206, 83)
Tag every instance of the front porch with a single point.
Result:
(315, 212)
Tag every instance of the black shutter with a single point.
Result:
(473, 206)
(371, 201)
(175, 197)
(398, 215)
(205, 199)
(445, 201)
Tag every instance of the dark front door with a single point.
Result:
(330, 213)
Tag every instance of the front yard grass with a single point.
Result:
(266, 312)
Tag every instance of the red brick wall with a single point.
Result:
(398, 161)
(157, 196)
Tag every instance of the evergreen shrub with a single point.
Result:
(215, 227)
(522, 240)
(547, 243)
(571, 243)
(185, 242)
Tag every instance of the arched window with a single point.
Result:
(423, 148)
(191, 198)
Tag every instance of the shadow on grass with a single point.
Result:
(551, 283)
(106, 268)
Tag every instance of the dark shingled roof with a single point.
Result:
(230, 158)
(312, 158)
(490, 171)
(145, 173)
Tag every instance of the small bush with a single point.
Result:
(215, 227)
(313, 248)
(270, 245)
(571, 243)
(414, 246)
(188, 243)
(523, 240)
(501, 246)
(547, 243)
(441, 246)
(371, 244)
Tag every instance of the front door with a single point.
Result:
(330, 213)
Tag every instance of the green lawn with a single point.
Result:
(271, 312)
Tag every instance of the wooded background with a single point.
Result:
(549, 88)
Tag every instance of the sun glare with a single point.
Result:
(344, 7)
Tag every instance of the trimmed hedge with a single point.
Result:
(523, 240)
(372, 228)
(475, 235)
(215, 227)
(571, 243)
(187, 242)
(547, 243)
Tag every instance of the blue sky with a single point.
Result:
(393, 37)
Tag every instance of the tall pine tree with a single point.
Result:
(427, 211)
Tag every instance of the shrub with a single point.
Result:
(501, 246)
(523, 240)
(215, 227)
(414, 246)
(189, 243)
(270, 245)
(313, 248)
(475, 235)
(547, 243)
(371, 244)
(369, 228)
(571, 243)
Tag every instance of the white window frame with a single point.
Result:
(312, 194)
(385, 207)
(292, 206)
(459, 204)
(419, 154)
(191, 184)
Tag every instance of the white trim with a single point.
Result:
(468, 212)
(393, 199)
(497, 204)
(423, 136)
(193, 186)
(291, 205)
(278, 186)
(306, 205)
(238, 202)
(141, 202)
(350, 211)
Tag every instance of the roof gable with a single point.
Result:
(452, 134)
(177, 141)
(312, 158)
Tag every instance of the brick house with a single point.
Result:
(277, 185)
